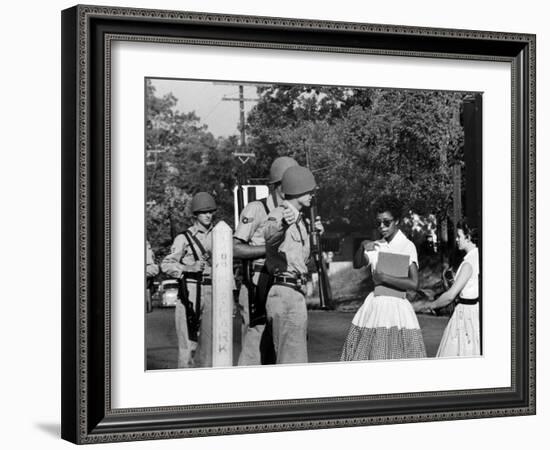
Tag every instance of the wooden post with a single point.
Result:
(222, 295)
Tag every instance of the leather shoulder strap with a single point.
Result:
(199, 244)
(189, 240)
(263, 201)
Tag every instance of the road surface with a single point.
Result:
(327, 332)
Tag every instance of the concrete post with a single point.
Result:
(222, 295)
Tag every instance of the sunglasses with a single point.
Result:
(385, 222)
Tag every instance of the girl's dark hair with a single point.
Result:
(469, 232)
(391, 204)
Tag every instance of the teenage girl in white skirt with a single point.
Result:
(386, 327)
(461, 336)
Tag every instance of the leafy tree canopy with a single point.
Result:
(183, 158)
(363, 143)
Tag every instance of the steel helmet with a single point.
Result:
(203, 202)
(278, 168)
(298, 180)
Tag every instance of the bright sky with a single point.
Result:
(205, 98)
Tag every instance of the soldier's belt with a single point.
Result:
(293, 281)
(467, 301)
(204, 281)
(196, 277)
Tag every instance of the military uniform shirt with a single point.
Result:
(181, 255)
(251, 225)
(287, 246)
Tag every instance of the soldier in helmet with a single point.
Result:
(287, 254)
(249, 244)
(190, 262)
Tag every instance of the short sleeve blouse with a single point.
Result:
(399, 244)
(471, 289)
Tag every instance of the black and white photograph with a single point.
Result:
(275, 222)
(299, 224)
(357, 127)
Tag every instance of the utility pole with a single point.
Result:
(243, 155)
(241, 116)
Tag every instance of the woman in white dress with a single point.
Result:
(461, 336)
(386, 327)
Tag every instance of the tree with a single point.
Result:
(364, 143)
(183, 158)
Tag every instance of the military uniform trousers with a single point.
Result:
(190, 353)
(250, 336)
(287, 318)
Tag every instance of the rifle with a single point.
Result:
(193, 315)
(325, 291)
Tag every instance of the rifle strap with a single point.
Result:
(199, 244)
(298, 220)
(196, 256)
(193, 250)
(275, 202)
(263, 201)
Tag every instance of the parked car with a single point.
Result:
(169, 293)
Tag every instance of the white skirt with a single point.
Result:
(384, 328)
(461, 336)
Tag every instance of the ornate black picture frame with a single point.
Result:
(87, 35)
